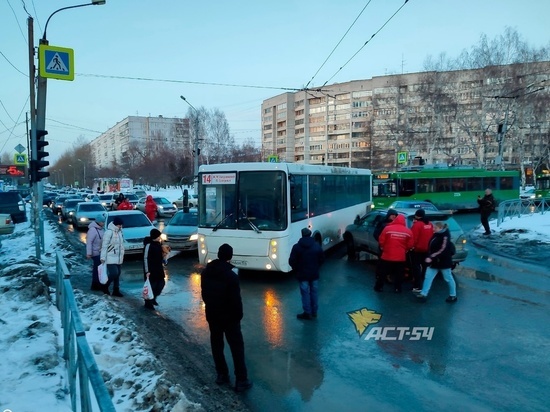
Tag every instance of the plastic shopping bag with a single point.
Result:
(147, 292)
(102, 273)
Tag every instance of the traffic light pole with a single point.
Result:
(35, 191)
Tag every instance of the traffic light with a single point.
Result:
(38, 161)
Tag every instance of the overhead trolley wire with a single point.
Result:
(148, 79)
(368, 41)
(335, 47)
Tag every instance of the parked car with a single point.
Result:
(87, 212)
(57, 204)
(192, 201)
(13, 204)
(412, 204)
(6, 224)
(181, 231)
(69, 207)
(360, 235)
(132, 198)
(47, 198)
(165, 208)
(135, 227)
(107, 200)
(140, 193)
(527, 194)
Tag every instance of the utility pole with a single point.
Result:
(35, 189)
(196, 149)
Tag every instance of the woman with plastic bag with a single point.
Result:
(153, 266)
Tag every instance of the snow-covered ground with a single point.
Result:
(33, 370)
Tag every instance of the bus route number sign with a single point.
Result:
(219, 178)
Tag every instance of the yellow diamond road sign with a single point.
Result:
(56, 62)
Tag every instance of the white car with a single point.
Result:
(135, 226)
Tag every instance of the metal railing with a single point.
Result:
(517, 208)
(81, 366)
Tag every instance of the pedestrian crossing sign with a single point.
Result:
(20, 158)
(401, 157)
(56, 62)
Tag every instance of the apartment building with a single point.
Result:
(124, 143)
(495, 116)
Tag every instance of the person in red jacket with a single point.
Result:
(150, 208)
(395, 241)
(423, 231)
(125, 205)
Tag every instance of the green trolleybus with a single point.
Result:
(453, 188)
(261, 208)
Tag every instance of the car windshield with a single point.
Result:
(131, 196)
(86, 207)
(105, 197)
(162, 201)
(72, 203)
(412, 205)
(131, 220)
(185, 219)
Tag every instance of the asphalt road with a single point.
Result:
(486, 352)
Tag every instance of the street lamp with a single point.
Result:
(196, 150)
(84, 174)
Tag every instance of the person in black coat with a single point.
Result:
(153, 266)
(305, 259)
(440, 259)
(221, 294)
(486, 207)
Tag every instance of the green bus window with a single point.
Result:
(474, 184)
(489, 183)
(425, 186)
(506, 183)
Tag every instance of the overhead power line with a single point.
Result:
(335, 47)
(148, 79)
(368, 41)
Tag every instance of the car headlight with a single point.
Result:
(163, 236)
(194, 236)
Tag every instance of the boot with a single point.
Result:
(105, 290)
(116, 292)
(149, 304)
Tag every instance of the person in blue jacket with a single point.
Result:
(306, 258)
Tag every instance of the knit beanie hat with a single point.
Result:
(225, 252)
(155, 233)
(420, 213)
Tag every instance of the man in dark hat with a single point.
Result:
(153, 266)
(221, 294)
(305, 259)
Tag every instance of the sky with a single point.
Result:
(227, 55)
(32, 335)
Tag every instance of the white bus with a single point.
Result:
(260, 209)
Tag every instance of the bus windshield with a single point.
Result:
(249, 200)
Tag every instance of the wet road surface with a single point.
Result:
(488, 351)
